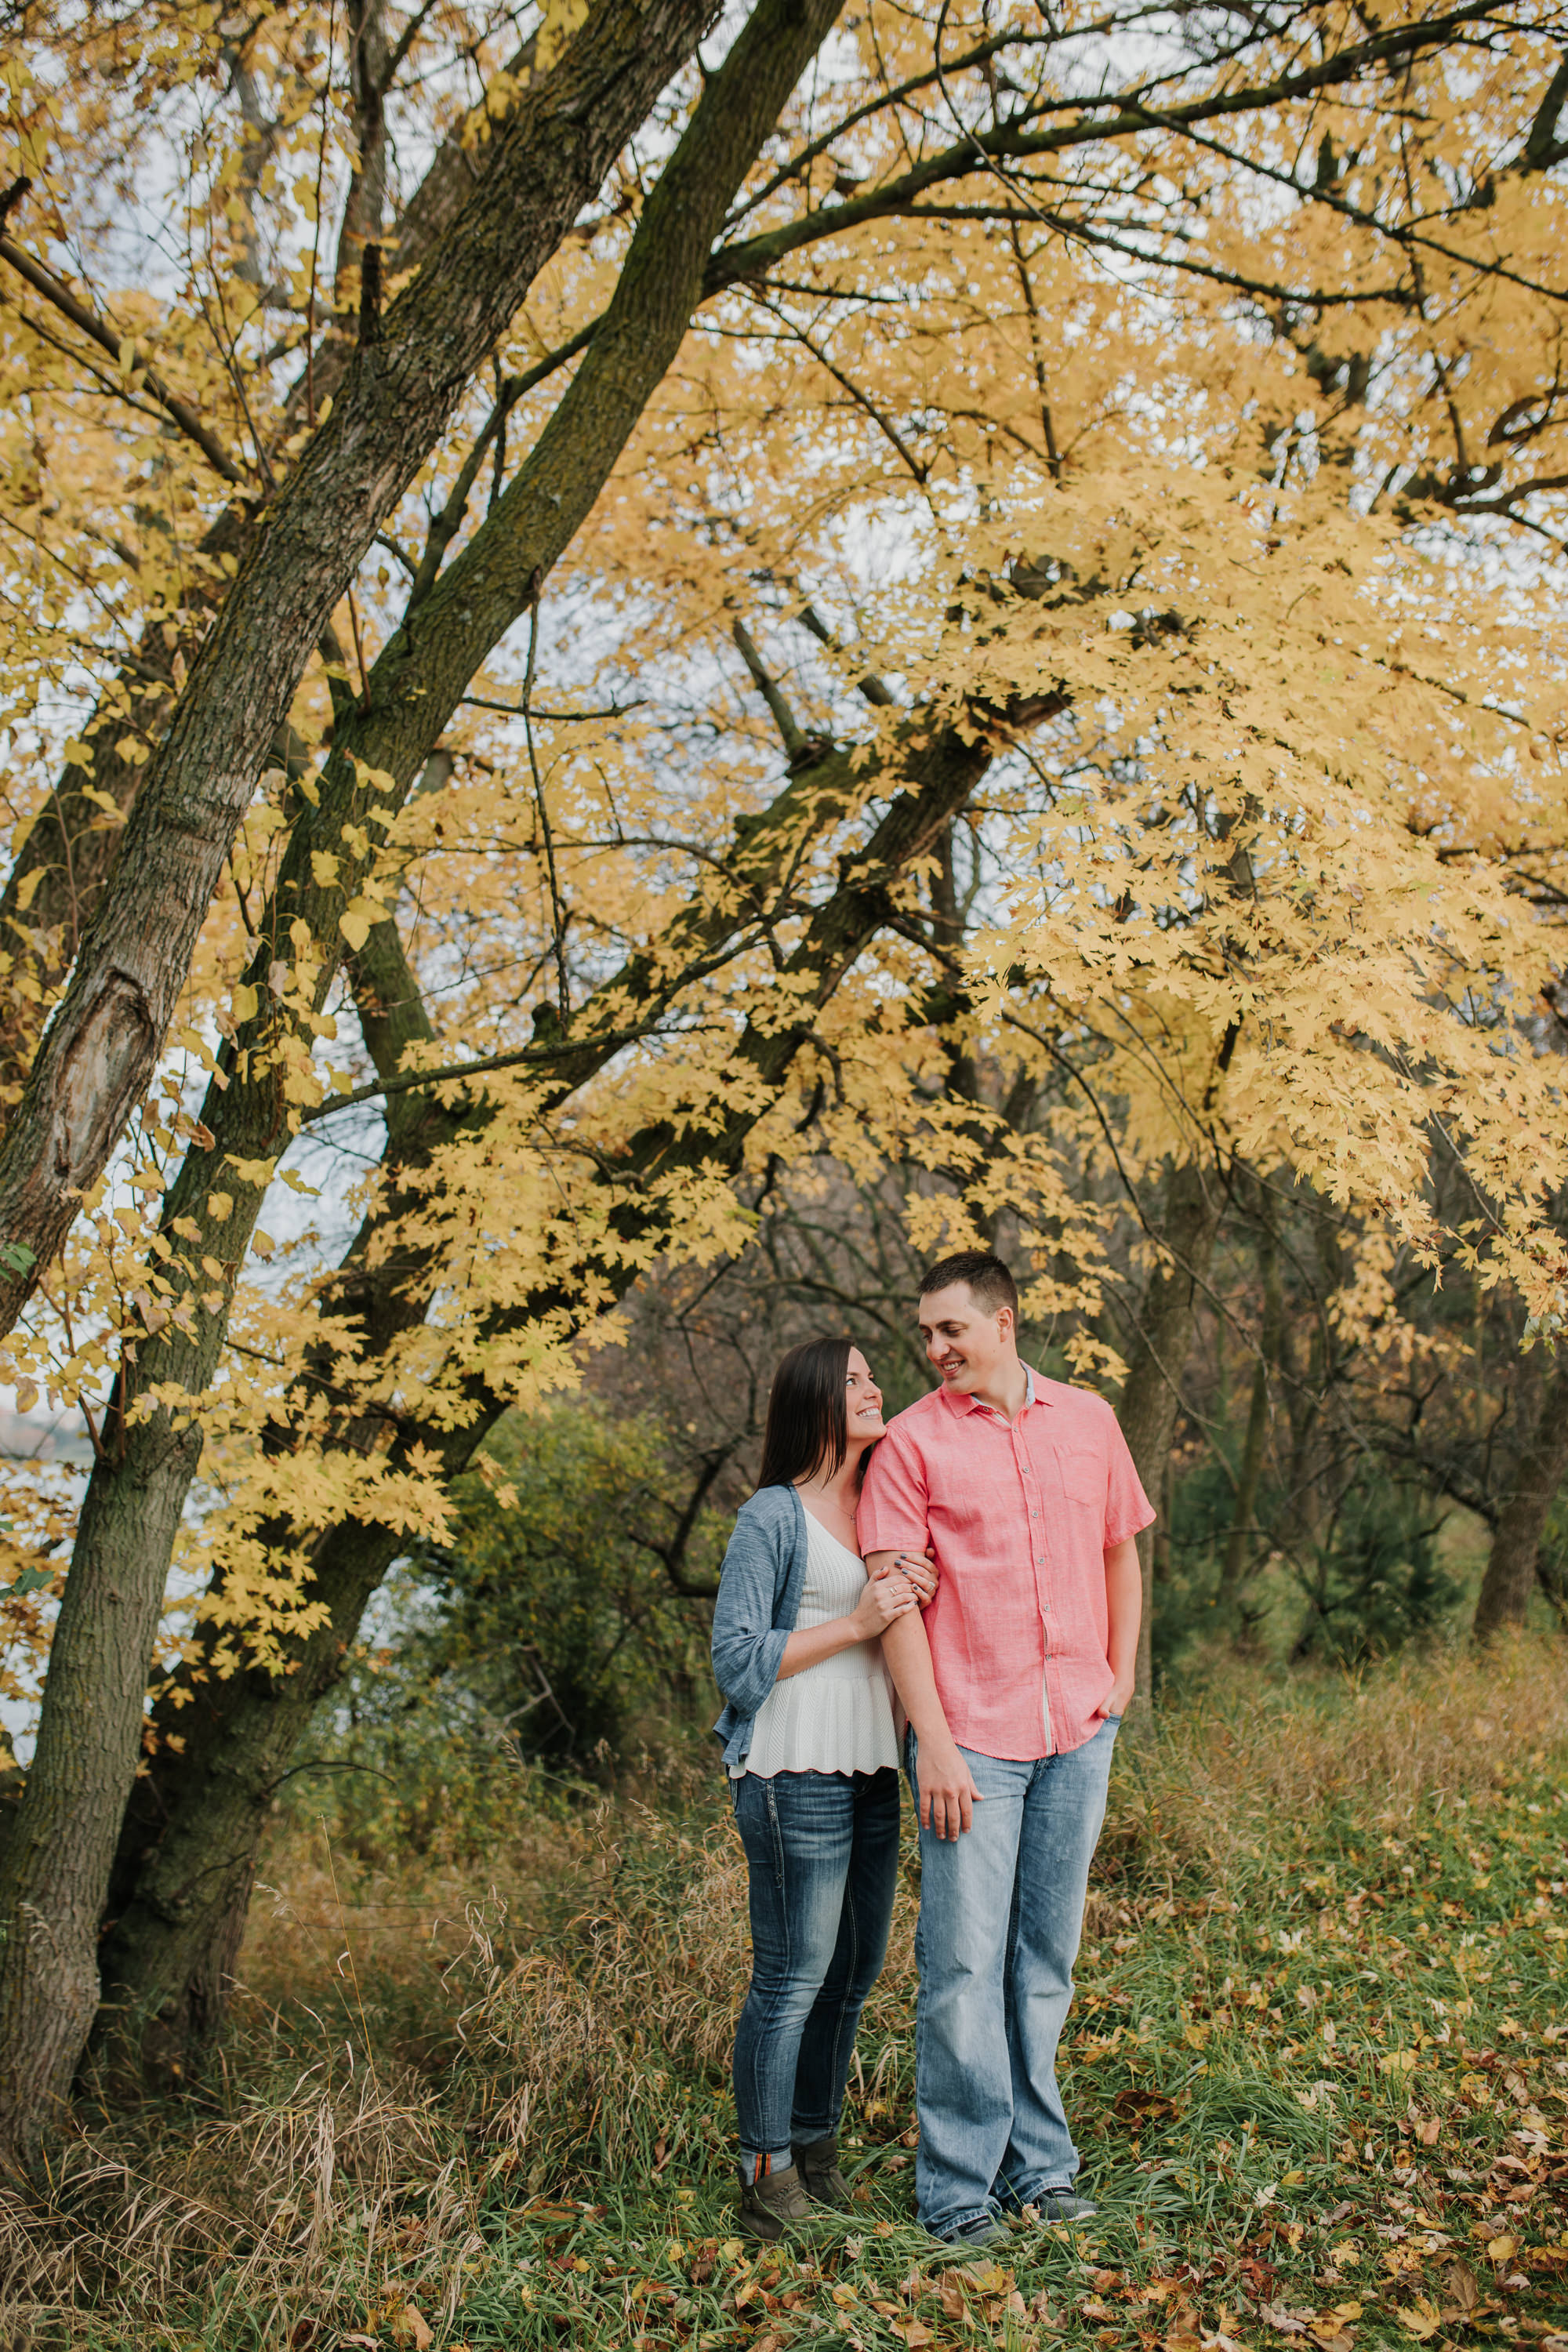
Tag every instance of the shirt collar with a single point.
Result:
(956, 1401)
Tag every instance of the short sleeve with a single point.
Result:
(1127, 1510)
(891, 1516)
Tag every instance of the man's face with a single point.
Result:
(965, 1344)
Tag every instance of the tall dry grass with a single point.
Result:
(417, 2043)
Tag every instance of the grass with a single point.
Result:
(1317, 2067)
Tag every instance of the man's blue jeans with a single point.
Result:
(823, 1848)
(1001, 1913)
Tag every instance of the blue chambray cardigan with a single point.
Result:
(753, 1617)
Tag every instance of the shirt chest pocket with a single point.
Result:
(1081, 1469)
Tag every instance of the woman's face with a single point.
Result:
(862, 1403)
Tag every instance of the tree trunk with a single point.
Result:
(99, 1051)
(1512, 1569)
(1151, 1398)
(58, 1860)
(1238, 1544)
(62, 863)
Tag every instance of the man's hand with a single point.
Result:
(1120, 1696)
(948, 1793)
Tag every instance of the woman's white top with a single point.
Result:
(837, 1717)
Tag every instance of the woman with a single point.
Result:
(812, 1750)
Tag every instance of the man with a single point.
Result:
(1013, 1686)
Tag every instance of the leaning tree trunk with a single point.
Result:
(1513, 1567)
(1151, 1398)
(63, 862)
(407, 375)
(100, 1048)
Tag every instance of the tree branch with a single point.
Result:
(178, 411)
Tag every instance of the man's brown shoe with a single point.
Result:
(817, 2164)
(776, 2206)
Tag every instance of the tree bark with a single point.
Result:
(1238, 1543)
(1511, 1567)
(61, 865)
(99, 1051)
(1151, 1398)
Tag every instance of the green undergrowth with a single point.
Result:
(1318, 2067)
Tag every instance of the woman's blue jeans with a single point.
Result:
(822, 1848)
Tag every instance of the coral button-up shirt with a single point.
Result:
(1020, 1519)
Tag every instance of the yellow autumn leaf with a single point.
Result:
(562, 19)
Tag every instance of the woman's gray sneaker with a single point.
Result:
(776, 2206)
(817, 2164)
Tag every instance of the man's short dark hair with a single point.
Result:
(991, 1286)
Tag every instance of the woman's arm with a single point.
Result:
(885, 1600)
(904, 1581)
(948, 1793)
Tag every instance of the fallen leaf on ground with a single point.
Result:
(989, 2277)
(1463, 2285)
(1283, 2322)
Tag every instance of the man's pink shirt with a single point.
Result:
(1020, 1520)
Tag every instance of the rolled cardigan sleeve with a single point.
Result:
(747, 1647)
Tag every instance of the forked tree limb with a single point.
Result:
(60, 870)
(100, 1051)
(72, 841)
(87, 322)
(57, 1865)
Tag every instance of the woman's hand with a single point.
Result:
(885, 1600)
(917, 1570)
